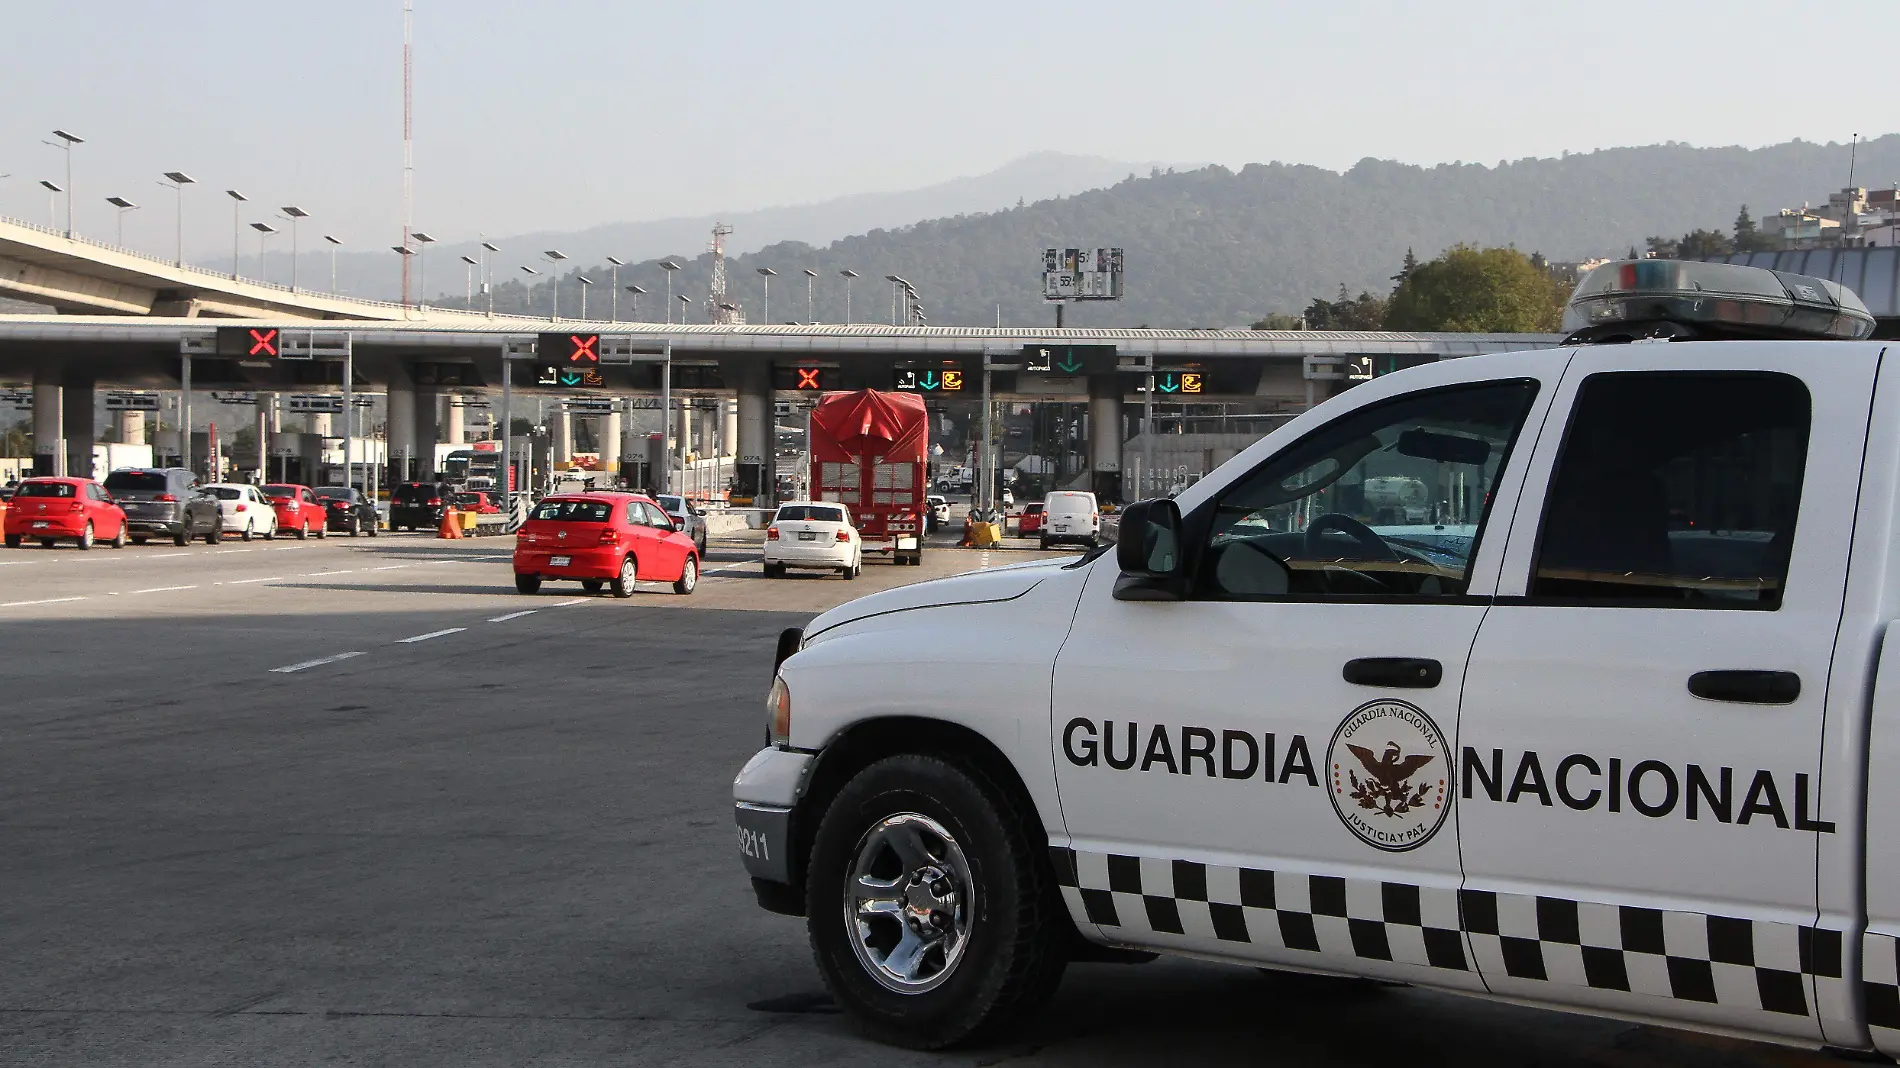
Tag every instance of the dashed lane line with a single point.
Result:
(48, 600)
(514, 615)
(431, 634)
(391, 567)
(240, 582)
(165, 589)
(318, 662)
(564, 604)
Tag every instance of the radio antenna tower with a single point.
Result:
(408, 137)
(718, 308)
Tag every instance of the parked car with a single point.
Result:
(417, 505)
(603, 539)
(813, 534)
(1070, 516)
(168, 502)
(298, 510)
(481, 502)
(244, 510)
(55, 509)
(1031, 521)
(685, 517)
(348, 510)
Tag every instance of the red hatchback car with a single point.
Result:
(299, 511)
(52, 509)
(603, 539)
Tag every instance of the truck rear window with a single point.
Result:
(45, 489)
(135, 481)
(574, 511)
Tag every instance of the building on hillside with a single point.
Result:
(1792, 228)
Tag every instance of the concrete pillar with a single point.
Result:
(76, 418)
(756, 441)
(455, 424)
(323, 423)
(401, 422)
(266, 416)
(1105, 437)
(728, 428)
(428, 432)
(130, 428)
(607, 439)
(564, 437)
(47, 413)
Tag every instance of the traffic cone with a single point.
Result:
(451, 525)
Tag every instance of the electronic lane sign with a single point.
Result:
(804, 378)
(250, 342)
(570, 361)
(1180, 382)
(1081, 274)
(1066, 359)
(928, 380)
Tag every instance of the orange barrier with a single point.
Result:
(451, 527)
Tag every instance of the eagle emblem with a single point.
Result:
(1387, 785)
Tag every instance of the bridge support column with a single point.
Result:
(1105, 437)
(607, 439)
(456, 432)
(401, 423)
(129, 428)
(77, 409)
(428, 432)
(266, 430)
(47, 410)
(728, 428)
(757, 441)
(563, 437)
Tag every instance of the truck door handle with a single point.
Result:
(1401, 672)
(1747, 687)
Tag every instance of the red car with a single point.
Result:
(54, 508)
(299, 511)
(602, 539)
(478, 502)
(1031, 521)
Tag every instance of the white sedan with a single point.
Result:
(245, 511)
(813, 534)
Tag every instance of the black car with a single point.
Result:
(167, 502)
(418, 505)
(347, 510)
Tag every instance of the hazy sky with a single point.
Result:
(564, 113)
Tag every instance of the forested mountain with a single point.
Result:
(1214, 247)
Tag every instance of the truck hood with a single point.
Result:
(977, 587)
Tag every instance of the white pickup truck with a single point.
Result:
(1625, 746)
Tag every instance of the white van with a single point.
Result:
(1070, 516)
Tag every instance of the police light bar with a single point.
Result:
(1629, 299)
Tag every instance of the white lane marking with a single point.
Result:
(240, 582)
(319, 662)
(431, 634)
(165, 589)
(169, 556)
(564, 604)
(49, 600)
(232, 550)
(391, 567)
(10, 563)
(514, 615)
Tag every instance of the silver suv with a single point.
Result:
(167, 502)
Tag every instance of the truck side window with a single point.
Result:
(1676, 488)
(1386, 501)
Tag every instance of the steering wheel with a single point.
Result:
(1375, 546)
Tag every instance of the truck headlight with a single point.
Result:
(778, 712)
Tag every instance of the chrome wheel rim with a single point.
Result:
(627, 572)
(690, 577)
(907, 903)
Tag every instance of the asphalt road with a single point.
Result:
(495, 829)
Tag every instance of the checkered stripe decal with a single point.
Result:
(1880, 987)
(1317, 913)
(1718, 960)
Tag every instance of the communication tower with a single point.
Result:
(719, 309)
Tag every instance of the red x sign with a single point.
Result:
(584, 350)
(807, 378)
(263, 342)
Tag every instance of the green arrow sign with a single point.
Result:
(1169, 385)
(928, 380)
(1069, 365)
(571, 378)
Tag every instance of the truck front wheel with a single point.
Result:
(932, 916)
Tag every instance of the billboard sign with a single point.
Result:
(1081, 274)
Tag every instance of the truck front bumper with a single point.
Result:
(765, 798)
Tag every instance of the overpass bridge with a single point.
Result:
(66, 358)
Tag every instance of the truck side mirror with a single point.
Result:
(1149, 552)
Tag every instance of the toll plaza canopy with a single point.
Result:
(867, 423)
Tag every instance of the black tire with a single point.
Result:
(356, 527)
(375, 528)
(183, 537)
(527, 584)
(303, 531)
(250, 531)
(623, 584)
(215, 535)
(593, 585)
(138, 539)
(119, 541)
(13, 541)
(46, 543)
(700, 545)
(775, 571)
(1013, 958)
(323, 530)
(85, 538)
(1044, 544)
(689, 577)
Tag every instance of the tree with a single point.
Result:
(1280, 321)
(1469, 289)
(1347, 312)
(1662, 248)
(1405, 269)
(1701, 244)
(1747, 237)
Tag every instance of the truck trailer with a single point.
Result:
(868, 452)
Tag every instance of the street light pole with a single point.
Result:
(636, 291)
(334, 242)
(67, 141)
(768, 274)
(293, 214)
(264, 230)
(685, 303)
(669, 267)
(614, 301)
(488, 276)
(585, 282)
(423, 241)
(530, 272)
(848, 275)
(178, 180)
(237, 229)
(53, 190)
(810, 277)
(468, 283)
(124, 206)
(554, 257)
